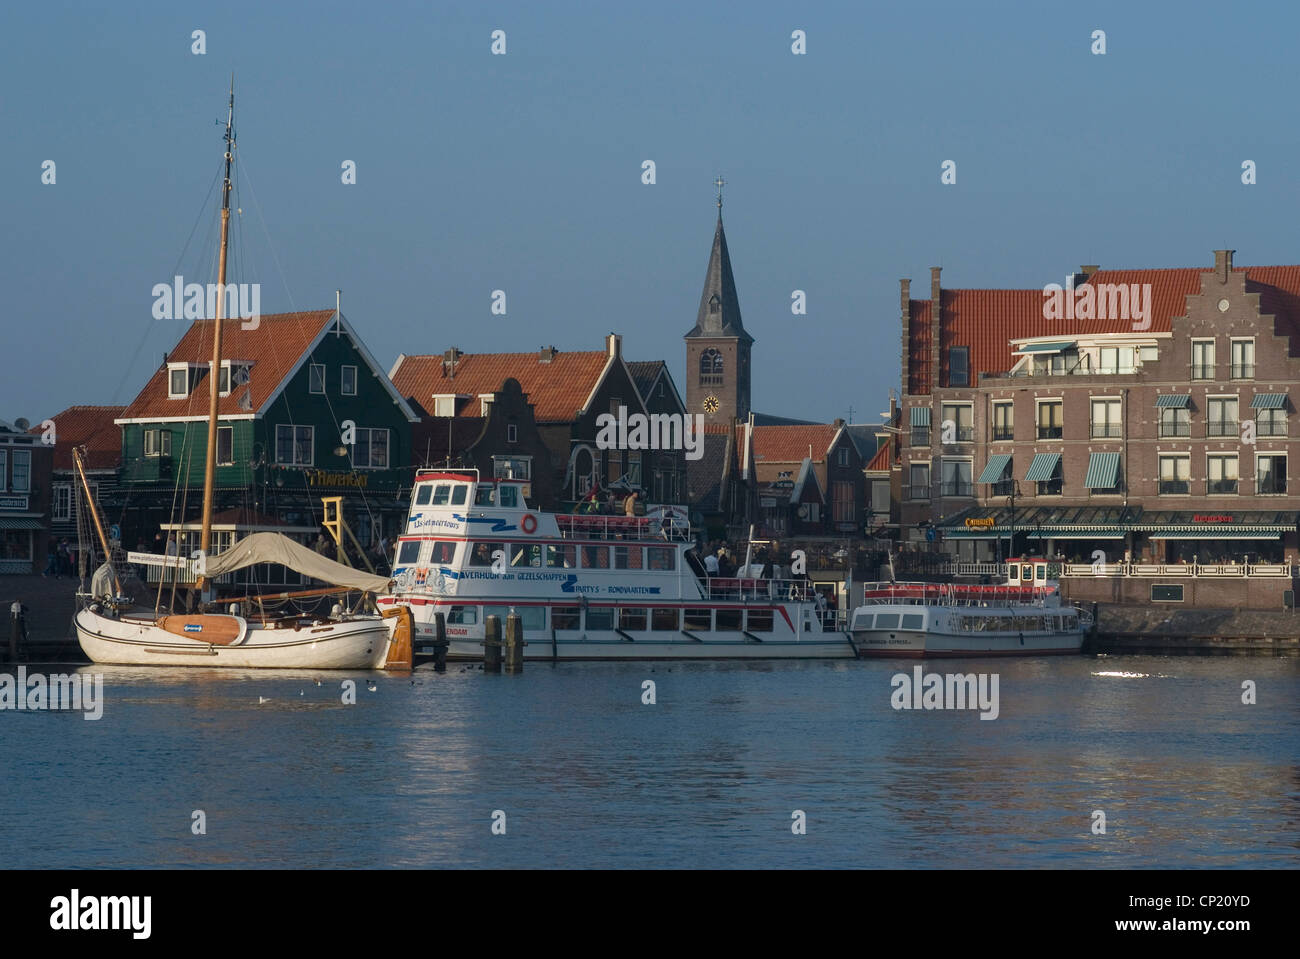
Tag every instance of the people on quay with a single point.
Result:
(629, 504)
(52, 561)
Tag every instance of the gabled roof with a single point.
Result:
(719, 313)
(880, 462)
(91, 427)
(277, 348)
(705, 476)
(646, 373)
(790, 444)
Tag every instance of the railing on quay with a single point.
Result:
(1209, 570)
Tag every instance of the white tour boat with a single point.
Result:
(586, 586)
(1023, 617)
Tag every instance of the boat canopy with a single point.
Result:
(276, 548)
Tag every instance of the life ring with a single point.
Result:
(529, 523)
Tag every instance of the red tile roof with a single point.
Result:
(789, 444)
(274, 348)
(557, 389)
(91, 427)
(880, 462)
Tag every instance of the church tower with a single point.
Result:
(717, 349)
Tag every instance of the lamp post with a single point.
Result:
(1011, 505)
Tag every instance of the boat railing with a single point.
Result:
(645, 528)
(766, 590)
(951, 594)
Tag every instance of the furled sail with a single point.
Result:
(276, 548)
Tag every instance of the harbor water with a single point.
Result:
(570, 766)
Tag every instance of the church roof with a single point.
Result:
(719, 313)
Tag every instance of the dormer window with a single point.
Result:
(181, 378)
(715, 304)
(236, 370)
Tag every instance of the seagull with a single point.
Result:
(318, 682)
(371, 686)
(261, 700)
(301, 693)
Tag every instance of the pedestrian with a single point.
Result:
(51, 559)
(65, 567)
(629, 504)
(711, 564)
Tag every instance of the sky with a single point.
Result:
(523, 172)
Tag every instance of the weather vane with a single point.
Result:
(719, 183)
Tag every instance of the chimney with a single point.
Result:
(546, 354)
(936, 326)
(1223, 264)
(1089, 269)
(613, 345)
(905, 313)
(449, 361)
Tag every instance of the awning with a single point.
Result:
(1215, 534)
(15, 522)
(1045, 347)
(991, 532)
(1268, 401)
(996, 468)
(1174, 401)
(1043, 467)
(920, 416)
(1090, 534)
(1103, 471)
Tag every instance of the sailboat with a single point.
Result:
(111, 629)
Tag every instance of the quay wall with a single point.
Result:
(1214, 593)
(1162, 628)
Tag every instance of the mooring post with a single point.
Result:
(492, 644)
(440, 642)
(514, 644)
(15, 629)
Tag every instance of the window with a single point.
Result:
(1050, 419)
(842, 456)
(370, 451)
(225, 446)
(4, 469)
(880, 497)
(1003, 421)
(661, 557)
(22, 475)
(665, 618)
(485, 495)
(509, 497)
(758, 620)
(1166, 593)
(444, 406)
(157, 442)
(1270, 474)
(627, 557)
(919, 482)
(1006, 485)
(178, 383)
(957, 478)
(223, 380)
(600, 618)
(920, 435)
(442, 494)
(422, 494)
(1242, 359)
(1270, 423)
(595, 557)
(632, 620)
(348, 381)
(1175, 472)
(565, 618)
(957, 426)
(1052, 485)
(959, 366)
(295, 445)
(483, 553)
(1175, 422)
(459, 492)
(562, 557)
(61, 509)
(1221, 416)
(711, 368)
(1115, 359)
(1221, 474)
(728, 619)
(317, 378)
(525, 554)
(444, 552)
(1202, 359)
(842, 502)
(699, 618)
(409, 552)
(634, 468)
(1105, 419)
(462, 616)
(1148, 354)
(512, 433)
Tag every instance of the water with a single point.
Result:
(709, 776)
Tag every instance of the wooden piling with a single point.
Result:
(400, 653)
(15, 629)
(440, 642)
(514, 644)
(492, 644)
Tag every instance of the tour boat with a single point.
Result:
(112, 629)
(586, 586)
(1023, 617)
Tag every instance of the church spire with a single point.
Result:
(719, 313)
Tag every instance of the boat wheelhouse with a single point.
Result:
(586, 586)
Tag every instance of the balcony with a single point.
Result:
(920, 437)
(1223, 487)
(1174, 487)
(1274, 486)
(1002, 488)
(1051, 487)
(916, 494)
(958, 489)
(1003, 433)
(1270, 428)
(1243, 371)
(1050, 432)
(1109, 431)
(1221, 428)
(1183, 428)
(962, 434)
(1202, 372)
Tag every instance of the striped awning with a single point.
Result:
(920, 416)
(19, 522)
(1216, 534)
(996, 468)
(1087, 534)
(1043, 467)
(1103, 471)
(1174, 401)
(1045, 347)
(1268, 401)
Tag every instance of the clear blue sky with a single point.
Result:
(522, 172)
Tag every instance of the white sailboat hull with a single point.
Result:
(134, 641)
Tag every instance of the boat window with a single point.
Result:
(728, 619)
(443, 552)
(913, 621)
(699, 617)
(458, 494)
(600, 617)
(482, 555)
(463, 616)
(525, 554)
(509, 497)
(484, 497)
(661, 558)
(887, 621)
(441, 493)
(410, 551)
(531, 617)
(562, 557)
(632, 620)
(664, 618)
(422, 495)
(862, 621)
(565, 617)
(595, 557)
(627, 557)
(758, 620)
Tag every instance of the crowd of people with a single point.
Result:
(60, 559)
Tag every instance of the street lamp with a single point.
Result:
(1011, 505)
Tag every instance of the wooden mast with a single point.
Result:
(99, 526)
(214, 374)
